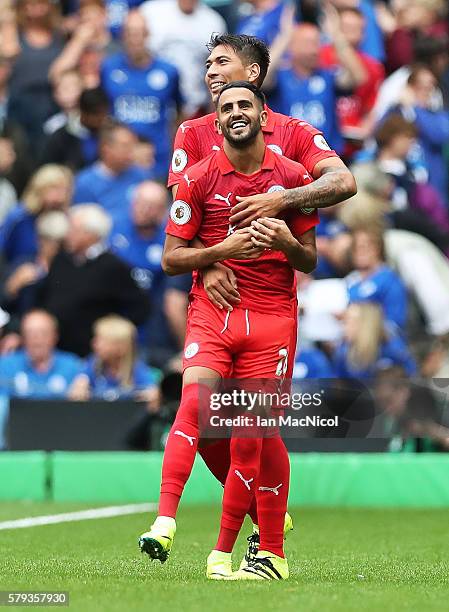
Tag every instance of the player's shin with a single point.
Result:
(217, 457)
(180, 451)
(239, 489)
(272, 494)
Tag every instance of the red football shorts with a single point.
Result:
(239, 344)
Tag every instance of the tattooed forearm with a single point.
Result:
(333, 186)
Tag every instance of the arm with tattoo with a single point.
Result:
(333, 186)
(333, 183)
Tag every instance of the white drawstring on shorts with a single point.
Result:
(226, 322)
(247, 321)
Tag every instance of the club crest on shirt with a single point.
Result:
(317, 85)
(321, 143)
(179, 160)
(191, 350)
(157, 79)
(276, 148)
(119, 76)
(180, 212)
(274, 188)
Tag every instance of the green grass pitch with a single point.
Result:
(341, 560)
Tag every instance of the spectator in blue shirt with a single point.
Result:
(113, 371)
(116, 11)
(23, 276)
(143, 90)
(38, 370)
(432, 124)
(373, 281)
(311, 362)
(263, 21)
(138, 238)
(368, 347)
(110, 182)
(328, 232)
(302, 89)
(50, 188)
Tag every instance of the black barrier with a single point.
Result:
(389, 413)
(64, 425)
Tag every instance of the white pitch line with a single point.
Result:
(82, 515)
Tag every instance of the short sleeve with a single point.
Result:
(301, 222)
(186, 212)
(186, 153)
(310, 146)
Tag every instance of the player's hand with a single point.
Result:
(85, 33)
(252, 207)
(271, 234)
(331, 21)
(239, 246)
(220, 284)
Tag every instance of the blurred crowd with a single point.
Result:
(91, 94)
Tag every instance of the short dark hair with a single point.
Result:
(426, 48)
(108, 130)
(250, 49)
(246, 85)
(93, 100)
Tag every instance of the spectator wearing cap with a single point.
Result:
(76, 143)
(143, 90)
(86, 281)
(367, 346)
(50, 188)
(38, 369)
(110, 181)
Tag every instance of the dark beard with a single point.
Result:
(242, 143)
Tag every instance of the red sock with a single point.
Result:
(180, 451)
(239, 489)
(274, 480)
(217, 457)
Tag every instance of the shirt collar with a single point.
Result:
(225, 166)
(267, 129)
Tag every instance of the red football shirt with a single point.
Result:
(203, 207)
(352, 109)
(297, 140)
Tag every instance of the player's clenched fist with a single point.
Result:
(272, 234)
(240, 246)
